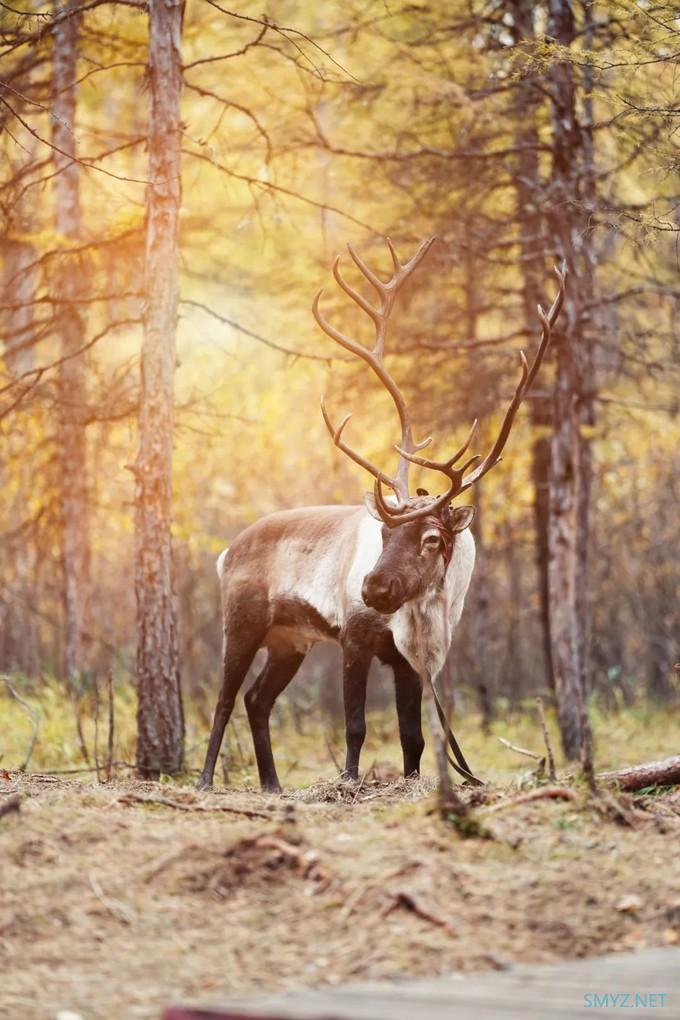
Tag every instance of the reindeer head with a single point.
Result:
(418, 532)
(415, 556)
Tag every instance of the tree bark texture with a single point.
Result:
(160, 718)
(567, 516)
(665, 772)
(18, 645)
(71, 439)
(482, 660)
(528, 194)
(18, 290)
(586, 357)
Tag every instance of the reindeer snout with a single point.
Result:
(382, 593)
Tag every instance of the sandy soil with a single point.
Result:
(112, 907)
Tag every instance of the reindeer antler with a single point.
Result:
(387, 292)
(407, 449)
(394, 516)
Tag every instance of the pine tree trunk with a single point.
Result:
(18, 289)
(567, 513)
(586, 355)
(531, 246)
(563, 554)
(18, 648)
(160, 718)
(480, 617)
(72, 446)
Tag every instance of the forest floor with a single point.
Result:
(121, 897)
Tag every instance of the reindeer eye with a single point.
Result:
(431, 541)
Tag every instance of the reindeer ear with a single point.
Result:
(458, 518)
(369, 503)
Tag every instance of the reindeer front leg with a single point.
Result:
(357, 658)
(409, 692)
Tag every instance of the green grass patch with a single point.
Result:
(305, 750)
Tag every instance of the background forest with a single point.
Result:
(519, 134)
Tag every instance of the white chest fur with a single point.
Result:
(423, 630)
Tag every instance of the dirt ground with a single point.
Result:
(113, 907)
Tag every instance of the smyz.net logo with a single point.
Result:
(624, 1000)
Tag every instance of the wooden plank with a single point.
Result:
(549, 991)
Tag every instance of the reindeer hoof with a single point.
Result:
(204, 784)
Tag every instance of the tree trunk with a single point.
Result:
(586, 356)
(563, 556)
(481, 660)
(480, 617)
(160, 717)
(71, 439)
(19, 283)
(566, 512)
(531, 246)
(513, 659)
(18, 646)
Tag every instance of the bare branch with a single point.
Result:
(87, 163)
(33, 716)
(255, 336)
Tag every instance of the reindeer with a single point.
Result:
(385, 579)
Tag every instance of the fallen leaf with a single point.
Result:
(634, 939)
(629, 903)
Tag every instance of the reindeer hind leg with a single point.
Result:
(356, 663)
(244, 632)
(281, 666)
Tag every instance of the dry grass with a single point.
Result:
(113, 908)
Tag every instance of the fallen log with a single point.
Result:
(665, 772)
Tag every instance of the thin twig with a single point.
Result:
(361, 784)
(587, 765)
(136, 798)
(75, 702)
(307, 861)
(75, 772)
(33, 715)
(521, 750)
(40, 372)
(629, 817)
(257, 336)
(112, 723)
(546, 738)
(413, 903)
(542, 793)
(335, 761)
(285, 32)
(69, 155)
(96, 730)
(117, 909)
(351, 902)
